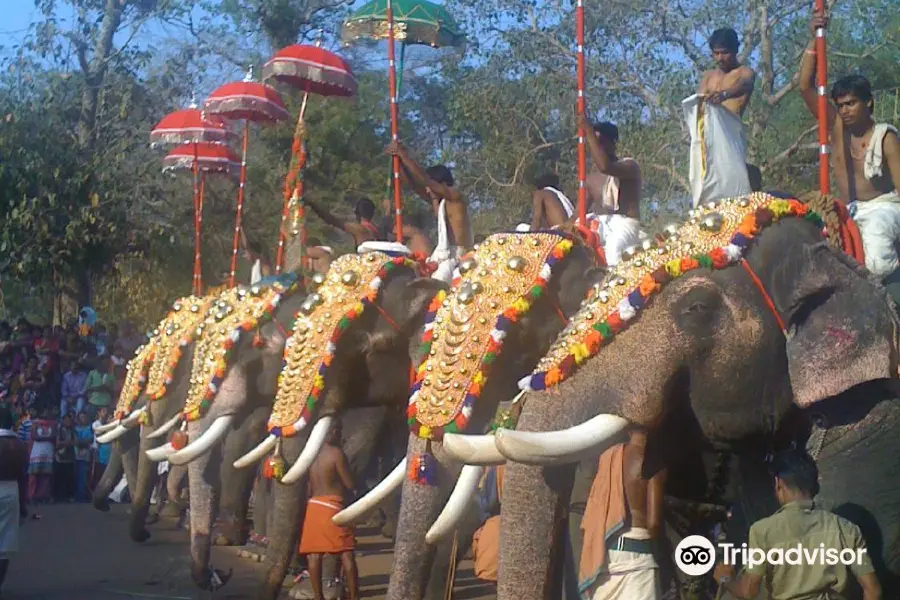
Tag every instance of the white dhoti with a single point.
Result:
(878, 220)
(718, 166)
(9, 518)
(445, 255)
(630, 575)
(616, 233)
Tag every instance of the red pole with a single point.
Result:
(240, 204)
(582, 161)
(199, 247)
(196, 171)
(392, 82)
(821, 83)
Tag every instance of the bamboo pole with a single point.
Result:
(392, 82)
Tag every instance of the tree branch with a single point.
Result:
(786, 153)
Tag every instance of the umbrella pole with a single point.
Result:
(240, 204)
(195, 167)
(821, 83)
(399, 88)
(293, 194)
(582, 160)
(200, 235)
(392, 82)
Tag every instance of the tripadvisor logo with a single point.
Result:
(695, 555)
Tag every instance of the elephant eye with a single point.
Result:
(697, 307)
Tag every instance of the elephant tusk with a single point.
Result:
(264, 447)
(457, 504)
(132, 419)
(162, 453)
(117, 432)
(473, 449)
(562, 446)
(378, 493)
(101, 429)
(165, 428)
(202, 444)
(310, 451)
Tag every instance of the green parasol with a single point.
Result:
(410, 22)
(415, 22)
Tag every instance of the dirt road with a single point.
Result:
(77, 553)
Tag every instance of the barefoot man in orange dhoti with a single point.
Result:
(330, 484)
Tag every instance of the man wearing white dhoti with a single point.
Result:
(613, 191)
(865, 156)
(13, 469)
(435, 185)
(551, 208)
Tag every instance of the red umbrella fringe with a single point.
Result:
(188, 136)
(251, 108)
(311, 77)
(207, 165)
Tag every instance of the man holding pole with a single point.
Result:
(865, 158)
(435, 185)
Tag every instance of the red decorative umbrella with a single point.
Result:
(192, 126)
(205, 157)
(245, 100)
(312, 70)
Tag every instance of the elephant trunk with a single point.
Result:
(289, 508)
(204, 482)
(142, 488)
(238, 483)
(420, 506)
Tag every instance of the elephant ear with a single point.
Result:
(419, 293)
(841, 326)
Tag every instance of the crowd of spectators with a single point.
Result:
(59, 381)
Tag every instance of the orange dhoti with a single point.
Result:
(319, 534)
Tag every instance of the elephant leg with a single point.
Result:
(204, 480)
(174, 483)
(262, 492)
(142, 490)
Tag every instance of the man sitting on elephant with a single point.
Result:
(435, 185)
(362, 230)
(800, 522)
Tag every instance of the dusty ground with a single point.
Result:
(77, 553)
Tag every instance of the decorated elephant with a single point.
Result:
(742, 332)
(350, 349)
(513, 295)
(148, 407)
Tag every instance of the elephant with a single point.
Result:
(770, 338)
(494, 279)
(368, 366)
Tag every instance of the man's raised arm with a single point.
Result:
(418, 177)
(614, 168)
(353, 229)
(807, 76)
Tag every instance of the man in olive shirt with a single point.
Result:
(800, 522)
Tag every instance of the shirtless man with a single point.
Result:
(730, 83)
(630, 569)
(319, 256)
(435, 185)
(866, 180)
(363, 230)
(330, 488)
(551, 207)
(413, 237)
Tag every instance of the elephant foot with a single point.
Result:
(334, 590)
(102, 504)
(140, 536)
(171, 510)
(230, 535)
(152, 518)
(211, 579)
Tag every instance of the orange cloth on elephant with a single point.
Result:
(604, 515)
(486, 541)
(319, 534)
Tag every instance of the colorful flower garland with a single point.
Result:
(218, 339)
(653, 273)
(291, 380)
(504, 321)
